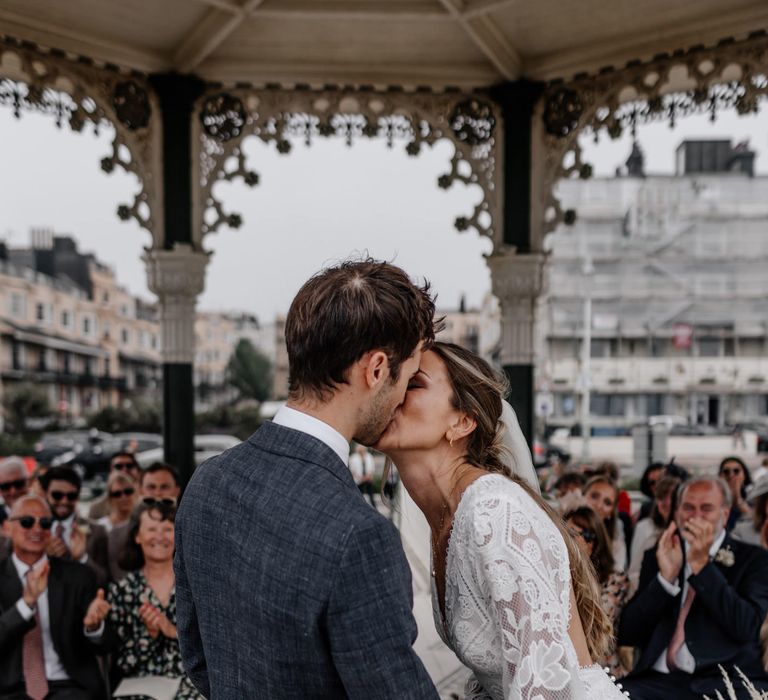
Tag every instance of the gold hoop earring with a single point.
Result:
(450, 442)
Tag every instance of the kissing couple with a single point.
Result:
(290, 586)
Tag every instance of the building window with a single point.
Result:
(654, 404)
(125, 336)
(709, 347)
(87, 326)
(66, 319)
(18, 305)
(659, 347)
(607, 404)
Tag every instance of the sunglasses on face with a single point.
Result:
(71, 496)
(162, 502)
(120, 466)
(125, 492)
(586, 535)
(731, 472)
(17, 484)
(28, 522)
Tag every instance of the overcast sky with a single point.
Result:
(313, 206)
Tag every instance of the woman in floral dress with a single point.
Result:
(143, 611)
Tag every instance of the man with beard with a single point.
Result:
(288, 585)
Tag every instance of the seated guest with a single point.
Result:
(121, 462)
(51, 616)
(143, 604)
(589, 531)
(159, 481)
(701, 601)
(14, 484)
(755, 530)
(651, 476)
(122, 495)
(602, 496)
(648, 530)
(73, 537)
(735, 473)
(567, 491)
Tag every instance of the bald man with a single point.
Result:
(52, 620)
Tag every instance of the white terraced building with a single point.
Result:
(679, 293)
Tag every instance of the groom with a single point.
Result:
(288, 584)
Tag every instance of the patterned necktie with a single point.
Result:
(34, 662)
(60, 531)
(678, 637)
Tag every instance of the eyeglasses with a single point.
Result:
(17, 484)
(125, 492)
(587, 535)
(731, 472)
(71, 496)
(28, 522)
(162, 502)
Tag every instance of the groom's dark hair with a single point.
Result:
(343, 312)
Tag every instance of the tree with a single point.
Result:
(24, 401)
(250, 371)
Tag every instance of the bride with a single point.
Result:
(506, 575)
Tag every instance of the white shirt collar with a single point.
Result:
(303, 422)
(22, 568)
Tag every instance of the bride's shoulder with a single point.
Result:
(490, 490)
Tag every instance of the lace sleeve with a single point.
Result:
(520, 569)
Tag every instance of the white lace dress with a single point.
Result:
(507, 600)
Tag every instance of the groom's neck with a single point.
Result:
(338, 412)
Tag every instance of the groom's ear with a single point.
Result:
(375, 366)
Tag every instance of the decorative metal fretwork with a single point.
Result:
(79, 94)
(732, 75)
(418, 119)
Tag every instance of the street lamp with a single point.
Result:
(587, 270)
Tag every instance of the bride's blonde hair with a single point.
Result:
(478, 391)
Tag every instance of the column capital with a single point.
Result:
(515, 276)
(177, 276)
(516, 280)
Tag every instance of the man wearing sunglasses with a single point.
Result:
(14, 483)
(73, 537)
(52, 618)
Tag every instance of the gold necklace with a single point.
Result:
(436, 538)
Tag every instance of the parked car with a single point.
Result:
(205, 446)
(139, 442)
(544, 453)
(87, 451)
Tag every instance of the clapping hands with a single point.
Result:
(156, 622)
(35, 582)
(669, 554)
(97, 612)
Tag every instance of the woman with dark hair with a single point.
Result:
(648, 530)
(143, 604)
(735, 473)
(513, 595)
(602, 495)
(651, 476)
(755, 530)
(588, 529)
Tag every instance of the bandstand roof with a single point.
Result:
(463, 43)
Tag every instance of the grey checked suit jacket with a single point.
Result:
(288, 585)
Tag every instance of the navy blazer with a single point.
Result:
(71, 588)
(289, 585)
(723, 625)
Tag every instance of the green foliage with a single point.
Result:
(238, 421)
(140, 416)
(16, 444)
(23, 401)
(250, 371)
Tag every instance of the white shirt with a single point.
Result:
(685, 661)
(303, 422)
(54, 669)
(67, 536)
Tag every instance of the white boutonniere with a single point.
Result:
(725, 557)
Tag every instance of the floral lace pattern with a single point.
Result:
(507, 600)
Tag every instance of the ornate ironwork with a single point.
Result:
(732, 75)
(562, 111)
(222, 116)
(413, 119)
(131, 103)
(77, 94)
(472, 121)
